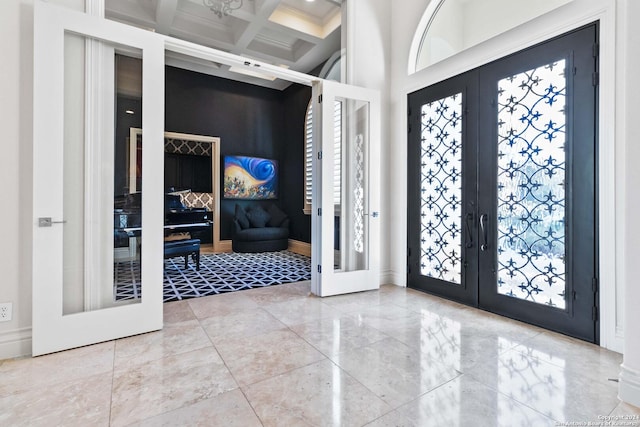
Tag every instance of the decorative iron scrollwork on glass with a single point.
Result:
(531, 185)
(441, 191)
(358, 196)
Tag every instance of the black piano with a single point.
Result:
(177, 219)
(180, 219)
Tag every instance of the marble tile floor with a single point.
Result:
(278, 356)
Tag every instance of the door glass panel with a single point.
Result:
(74, 175)
(441, 189)
(351, 185)
(531, 185)
(128, 180)
(97, 233)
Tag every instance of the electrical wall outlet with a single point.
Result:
(6, 311)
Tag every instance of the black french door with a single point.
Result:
(502, 195)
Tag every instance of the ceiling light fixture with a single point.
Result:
(223, 7)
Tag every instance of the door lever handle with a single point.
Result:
(483, 231)
(48, 222)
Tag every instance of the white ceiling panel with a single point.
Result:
(295, 33)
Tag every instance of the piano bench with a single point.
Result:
(183, 248)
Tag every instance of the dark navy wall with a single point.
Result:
(250, 120)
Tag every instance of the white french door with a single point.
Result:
(75, 276)
(346, 186)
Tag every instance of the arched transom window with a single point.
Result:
(451, 26)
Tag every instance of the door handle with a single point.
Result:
(469, 243)
(484, 218)
(47, 222)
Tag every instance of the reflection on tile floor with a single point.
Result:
(279, 356)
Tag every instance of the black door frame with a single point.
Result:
(579, 48)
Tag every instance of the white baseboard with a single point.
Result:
(392, 277)
(387, 277)
(16, 343)
(301, 248)
(629, 389)
(617, 343)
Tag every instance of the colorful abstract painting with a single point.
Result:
(250, 178)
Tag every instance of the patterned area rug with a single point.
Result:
(225, 272)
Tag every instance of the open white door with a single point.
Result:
(78, 219)
(346, 189)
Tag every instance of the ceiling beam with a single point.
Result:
(266, 8)
(231, 60)
(191, 20)
(165, 13)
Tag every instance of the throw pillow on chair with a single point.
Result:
(277, 216)
(258, 217)
(241, 217)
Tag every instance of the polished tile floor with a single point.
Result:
(277, 356)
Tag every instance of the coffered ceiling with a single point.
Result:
(297, 34)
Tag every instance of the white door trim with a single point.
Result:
(215, 171)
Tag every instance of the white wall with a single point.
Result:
(628, 45)
(369, 65)
(16, 113)
(16, 22)
(404, 24)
